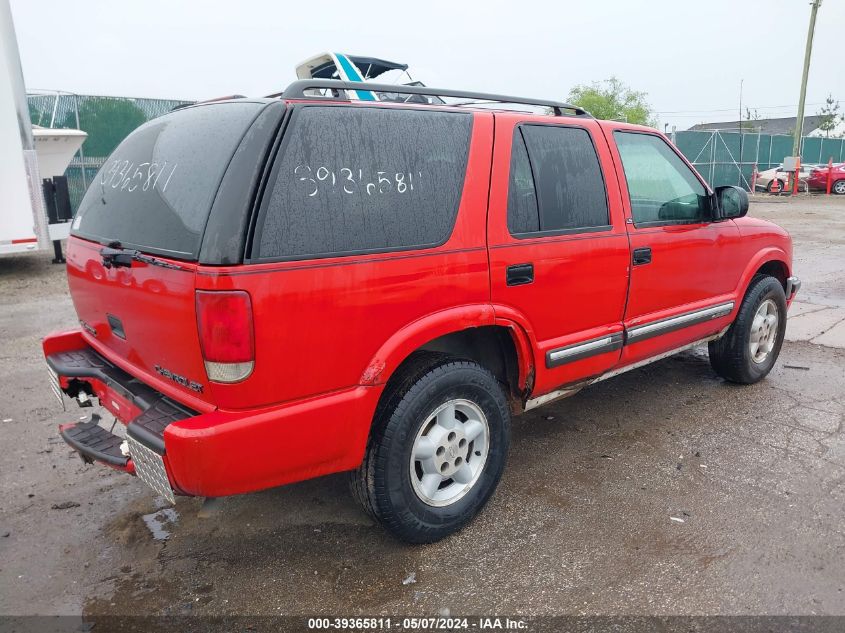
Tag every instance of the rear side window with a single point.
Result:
(155, 191)
(523, 216)
(568, 187)
(357, 180)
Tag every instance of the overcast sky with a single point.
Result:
(688, 56)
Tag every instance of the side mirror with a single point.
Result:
(732, 202)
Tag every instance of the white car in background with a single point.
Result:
(766, 179)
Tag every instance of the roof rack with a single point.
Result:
(297, 89)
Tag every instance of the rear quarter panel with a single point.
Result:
(320, 324)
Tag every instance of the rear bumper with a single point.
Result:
(215, 453)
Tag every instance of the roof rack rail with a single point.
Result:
(297, 89)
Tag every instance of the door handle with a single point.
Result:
(642, 256)
(520, 274)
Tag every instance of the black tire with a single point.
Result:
(382, 484)
(838, 187)
(770, 186)
(730, 356)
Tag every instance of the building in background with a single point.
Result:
(782, 125)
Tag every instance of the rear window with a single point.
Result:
(155, 191)
(359, 180)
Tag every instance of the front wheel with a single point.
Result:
(781, 186)
(437, 449)
(748, 350)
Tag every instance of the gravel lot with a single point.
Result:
(581, 524)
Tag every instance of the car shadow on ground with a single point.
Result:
(311, 546)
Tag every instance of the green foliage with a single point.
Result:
(107, 121)
(750, 117)
(612, 99)
(831, 116)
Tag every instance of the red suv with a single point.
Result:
(272, 290)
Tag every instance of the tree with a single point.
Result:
(107, 121)
(831, 117)
(750, 116)
(612, 99)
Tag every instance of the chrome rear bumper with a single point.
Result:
(56, 387)
(149, 466)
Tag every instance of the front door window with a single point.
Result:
(662, 188)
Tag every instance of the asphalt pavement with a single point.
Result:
(662, 491)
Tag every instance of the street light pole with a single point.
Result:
(799, 120)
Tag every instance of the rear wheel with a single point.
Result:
(838, 187)
(748, 350)
(437, 449)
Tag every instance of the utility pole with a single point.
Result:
(741, 135)
(799, 120)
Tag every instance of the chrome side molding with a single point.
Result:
(653, 359)
(656, 328)
(571, 353)
(578, 351)
(571, 390)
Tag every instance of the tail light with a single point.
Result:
(224, 321)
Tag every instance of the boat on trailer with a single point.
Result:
(357, 68)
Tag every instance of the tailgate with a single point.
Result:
(143, 314)
(151, 202)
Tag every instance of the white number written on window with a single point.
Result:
(125, 175)
(355, 181)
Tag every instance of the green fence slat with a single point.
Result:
(723, 158)
(810, 150)
(831, 149)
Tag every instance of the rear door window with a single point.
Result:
(559, 179)
(523, 216)
(155, 191)
(359, 180)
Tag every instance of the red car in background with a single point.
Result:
(818, 179)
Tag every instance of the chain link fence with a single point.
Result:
(722, 158)
(728, 158)
(107, 120)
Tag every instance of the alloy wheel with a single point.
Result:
(449, 452)
(764, 331)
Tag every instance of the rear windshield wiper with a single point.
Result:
(115, 256)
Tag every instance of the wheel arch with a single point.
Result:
(774, 268)
(470, 332)
(772, 261)
(491, 346)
